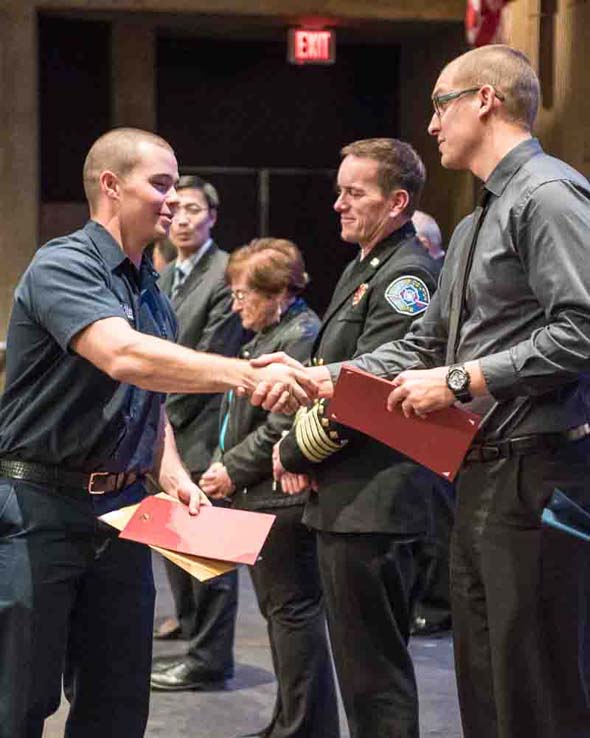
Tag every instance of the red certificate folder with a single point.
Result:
(438, 442)
(215, 533)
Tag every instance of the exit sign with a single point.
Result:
(308, 46)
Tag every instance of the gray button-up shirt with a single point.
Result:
(527, 316)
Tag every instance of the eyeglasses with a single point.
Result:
(239, 295)
(190, 209)
(441, 101)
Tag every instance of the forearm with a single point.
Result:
(170, 472)
(323, 378)
(154, 364)
(424, 347)
(477, 384)
(553, 356)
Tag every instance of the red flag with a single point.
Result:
(483, 21)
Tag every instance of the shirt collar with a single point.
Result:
(510, 164)
(108, 248)
(114, 255)
(405, 231)
(187, 266)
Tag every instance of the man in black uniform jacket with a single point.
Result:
(81, 422)
(195, 282)
(370, 503)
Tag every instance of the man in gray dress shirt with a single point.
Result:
(508, 332)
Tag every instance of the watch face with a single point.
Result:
(456, 380)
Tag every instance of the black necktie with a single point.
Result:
(460, 285)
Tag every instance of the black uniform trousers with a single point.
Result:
(73, 597)
(287, 586)
(207, 614)
(368, 580)
(521, 599)
(433, 597)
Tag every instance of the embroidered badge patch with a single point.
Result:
(408, 295)
(359, 293)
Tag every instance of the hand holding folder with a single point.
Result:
(204, 545)
(438, 442)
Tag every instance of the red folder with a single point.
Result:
(215, 533)
(438, 442)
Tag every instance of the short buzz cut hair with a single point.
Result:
(400, 167)
(117, 151)
(509, 72)
(194, 182)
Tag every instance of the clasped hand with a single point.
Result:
(291, 483)
(216, 482)
(284, 386)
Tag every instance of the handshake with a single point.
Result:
(279, 384)
(282, 384)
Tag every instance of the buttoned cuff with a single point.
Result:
(501, 377)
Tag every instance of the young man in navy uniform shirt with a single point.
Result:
(89, 359)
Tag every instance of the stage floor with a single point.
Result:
(247, 703)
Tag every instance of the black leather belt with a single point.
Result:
(96, 483)
(522, 445)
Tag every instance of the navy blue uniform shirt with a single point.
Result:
(59, 409)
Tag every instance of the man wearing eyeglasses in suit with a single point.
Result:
(195, 282)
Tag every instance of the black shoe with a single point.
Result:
(422, 627)
(160, 663)
(168, 630)
(180, 676)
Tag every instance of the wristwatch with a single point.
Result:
(458, 381)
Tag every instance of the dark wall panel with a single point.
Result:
(234, 104)
(241, 104)
(301, 210)
(74, 82)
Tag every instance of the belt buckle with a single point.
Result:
(90, 487)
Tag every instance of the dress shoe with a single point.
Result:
(168, 630)
(163, 662)
(420, 626)
(180, 676)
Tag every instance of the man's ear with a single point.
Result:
(487, 96)
(109, 184)
(213, 216)
(399, 201)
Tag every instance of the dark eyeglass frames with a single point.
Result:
(440, 102)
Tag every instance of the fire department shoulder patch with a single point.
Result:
(408, 295)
